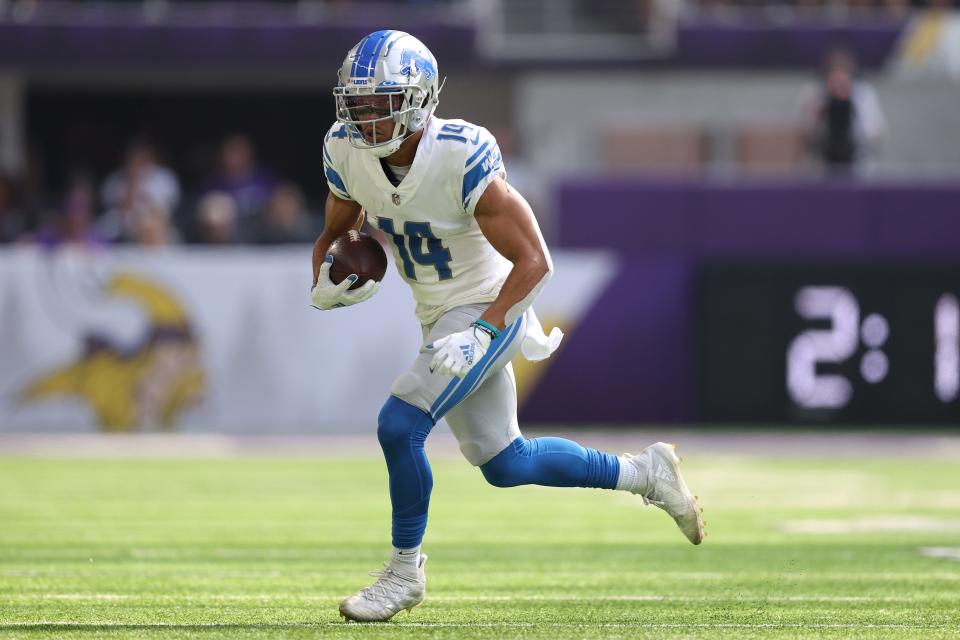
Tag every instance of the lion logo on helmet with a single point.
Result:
(412, 64)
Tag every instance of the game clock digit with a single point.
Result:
(844, 344)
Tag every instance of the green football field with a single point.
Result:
(266, 548)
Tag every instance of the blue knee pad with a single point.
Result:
(551, 462)
(402, 429)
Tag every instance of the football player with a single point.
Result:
(470, 249)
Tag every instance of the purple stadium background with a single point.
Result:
(633, 354)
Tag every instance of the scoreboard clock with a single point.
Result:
(816, 344)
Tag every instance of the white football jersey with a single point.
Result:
(437, 245)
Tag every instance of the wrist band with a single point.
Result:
(487, 328)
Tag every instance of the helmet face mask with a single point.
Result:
(387, 90)
(376, 120)
(378, 105)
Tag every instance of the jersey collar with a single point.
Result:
(421, 160)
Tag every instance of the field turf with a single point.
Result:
(265, 548)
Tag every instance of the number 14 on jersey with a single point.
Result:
(410, 247)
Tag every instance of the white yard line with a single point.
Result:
(951, 553)
(664, 625)
(667, 625)
(873, 524)
(479, 598)
(484, 625)
(796, 576)
(781, 444)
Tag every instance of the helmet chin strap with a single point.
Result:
(393, 146)
(386, 150)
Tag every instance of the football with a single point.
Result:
(358, 253)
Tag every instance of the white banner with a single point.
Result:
(930, 46)
(212, 340)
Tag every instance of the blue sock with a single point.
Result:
(551, 462)
(402, 430)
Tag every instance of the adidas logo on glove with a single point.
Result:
(468, 350)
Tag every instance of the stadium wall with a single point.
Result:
(709, 297)
(924, 122)
(216, 340)
(684, 305)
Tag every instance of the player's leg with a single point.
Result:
(418, 398)
(485, 424)
(404, 423)
(483, 416)
(402, 429)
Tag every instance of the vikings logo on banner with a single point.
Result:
(132, 387)
(223, 340)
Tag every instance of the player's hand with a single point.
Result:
(327, 295)
(456, 354)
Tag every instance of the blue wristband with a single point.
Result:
(485, 326)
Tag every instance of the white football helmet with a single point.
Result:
(388, 76)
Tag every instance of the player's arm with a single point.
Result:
(341, 216)
(507, 221)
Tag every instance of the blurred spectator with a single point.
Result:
(832, 9)
(129, 225)
(73, 223)
(153, 227)
(239, 176)
(285, 219)
(217, 218)
(138, 186)
(842, 118)
(11, 215)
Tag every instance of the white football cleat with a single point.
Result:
(394, 591)
(665, 488)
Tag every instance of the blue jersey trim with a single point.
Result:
(334, 178)
(474, 176)
(476, 154)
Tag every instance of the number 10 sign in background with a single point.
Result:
(844, 344)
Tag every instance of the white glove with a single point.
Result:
(457, 353)
(327, 295)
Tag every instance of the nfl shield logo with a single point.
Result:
(396, 199)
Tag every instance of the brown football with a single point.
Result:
(358, 253)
